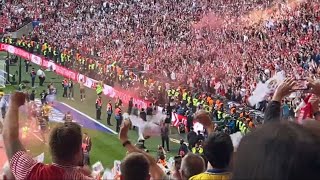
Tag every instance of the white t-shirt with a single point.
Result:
(40, 73)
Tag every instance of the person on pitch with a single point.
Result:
(65, 86)
(86, 147)
(71, 89)
(118, 117)
(46, 111)
(98, 107)
(109, 113)
(82, 90)
(68, 117)
(43, 97)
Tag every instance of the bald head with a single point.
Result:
(191, 165)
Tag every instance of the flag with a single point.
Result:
(306, 111)
(177, 118)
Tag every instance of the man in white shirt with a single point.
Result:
(42, 76)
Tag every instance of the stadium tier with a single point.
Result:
(196, 84)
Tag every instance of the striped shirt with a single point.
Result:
(24, 167)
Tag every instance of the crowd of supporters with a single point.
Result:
(15, 14)
(119, 42)
(182, 50)
(279, 149)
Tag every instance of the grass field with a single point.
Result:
(106, 147)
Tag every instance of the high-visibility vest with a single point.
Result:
(177, 94)
(173, 92)
(195, 101)
(197, 151)
(62, 57)
(189, 100)
(184, 96)
(169, 92)
(99, 89)
(219, 115)
(202, 102)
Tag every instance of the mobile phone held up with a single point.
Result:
(302, 84)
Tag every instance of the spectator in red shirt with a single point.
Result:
(65, 147)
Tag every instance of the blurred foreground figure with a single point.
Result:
(64, 144)
(282, 151)
(217, 149)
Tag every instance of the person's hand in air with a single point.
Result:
(284, 89)
(314, 86)
(314, 101)
(203, 117)
(17, 99)
(123, 134)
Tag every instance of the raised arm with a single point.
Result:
(273, 110)
(155, 171)
(203, 117)
(11, 125)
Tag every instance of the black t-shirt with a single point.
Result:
(167, 120)
(43, 95)
(32, 97)
(143, 115)
(149, 110)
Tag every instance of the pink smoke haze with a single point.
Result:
(211, 21)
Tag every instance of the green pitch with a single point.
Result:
(106, 147)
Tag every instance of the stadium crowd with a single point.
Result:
(200, 56)
(133, 48)
(293, 148)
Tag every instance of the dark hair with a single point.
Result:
(218, 150)
(65, 141)
(279, 151)
(135, 166)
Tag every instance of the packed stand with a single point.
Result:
(15, 14)
(152, 46)
(282, 46)
(160, 51)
